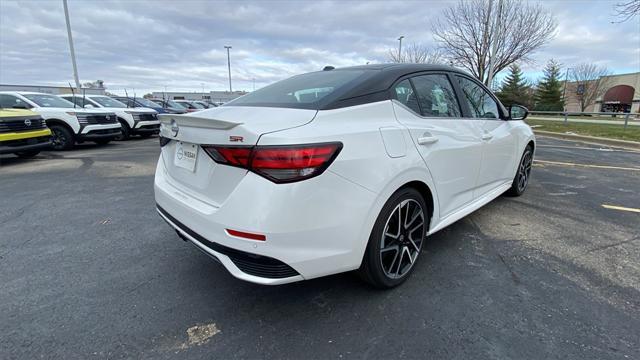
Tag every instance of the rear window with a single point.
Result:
(306, 91)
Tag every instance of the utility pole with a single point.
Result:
(73, 52)
(400, 48)
(564, 90)
(229, 66)
(494, 40)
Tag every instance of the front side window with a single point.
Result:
(480, 102)
(436, 96)
(10, 102)
(405, 94)
(53, 101)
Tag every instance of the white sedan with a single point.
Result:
(338, 170)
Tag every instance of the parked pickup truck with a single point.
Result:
(134, 121)
(69, 124)
(22, 132)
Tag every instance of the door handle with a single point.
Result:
(487, 136)
(425, 140)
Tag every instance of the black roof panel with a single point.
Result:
(380, 80)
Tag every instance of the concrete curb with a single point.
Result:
(591, 139)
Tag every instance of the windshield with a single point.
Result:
(302, 91)
(198, 105)
(44, 100)
(176, 105)
(108, 102)
(146, 102)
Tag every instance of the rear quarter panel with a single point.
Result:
(363, 160)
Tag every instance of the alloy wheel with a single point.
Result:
(58, 140)
(524, 171)
(402, 238)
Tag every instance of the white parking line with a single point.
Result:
(621, 208)
(560, 163)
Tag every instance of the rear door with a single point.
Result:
(191, 170)
(499, 146)
(449, 143)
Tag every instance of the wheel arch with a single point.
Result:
(426, 193)
(51, 122)
(124, 121)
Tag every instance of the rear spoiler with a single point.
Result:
(197, 121)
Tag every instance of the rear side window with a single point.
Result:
(436, 96)
(479, 100)
(405, 94)
(305, 91)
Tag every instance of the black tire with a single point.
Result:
(125, 132)
(523, 174)
(61, 138)
(103, 142)
(27, 154)
(388, 266)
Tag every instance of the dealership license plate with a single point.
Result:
(186, 155)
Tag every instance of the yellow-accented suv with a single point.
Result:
(23, 132)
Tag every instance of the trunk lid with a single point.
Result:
(227, 125)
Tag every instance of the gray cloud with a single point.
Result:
(151, 44)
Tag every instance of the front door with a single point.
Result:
(499, 148)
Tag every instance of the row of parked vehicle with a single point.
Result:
(31, 121)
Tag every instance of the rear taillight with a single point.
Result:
(163, 140)
(280, 164)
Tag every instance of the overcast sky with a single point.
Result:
(148, 45)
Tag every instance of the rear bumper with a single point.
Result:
(26, 144)
(311, 228)
(243, 265)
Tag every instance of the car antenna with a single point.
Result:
(83, 100)
(134, 97)
(127, 95)
(73, 94)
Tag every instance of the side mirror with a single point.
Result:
(517, 112)
(88, 106)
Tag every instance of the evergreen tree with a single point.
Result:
(515, 89)
(549, 92)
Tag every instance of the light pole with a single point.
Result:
(494, 46)
(73, 52)
(229, 66)
(400, 48)
(564, 90)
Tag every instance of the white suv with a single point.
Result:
(134, 121)
(69, 124)
(338, 170)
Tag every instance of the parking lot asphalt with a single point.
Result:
(89, 270)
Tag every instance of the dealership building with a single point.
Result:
(620, 93)
(213, 96)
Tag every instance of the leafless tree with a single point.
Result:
(591, 82)
(466, 33)
(627, 10)
(416, 53)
